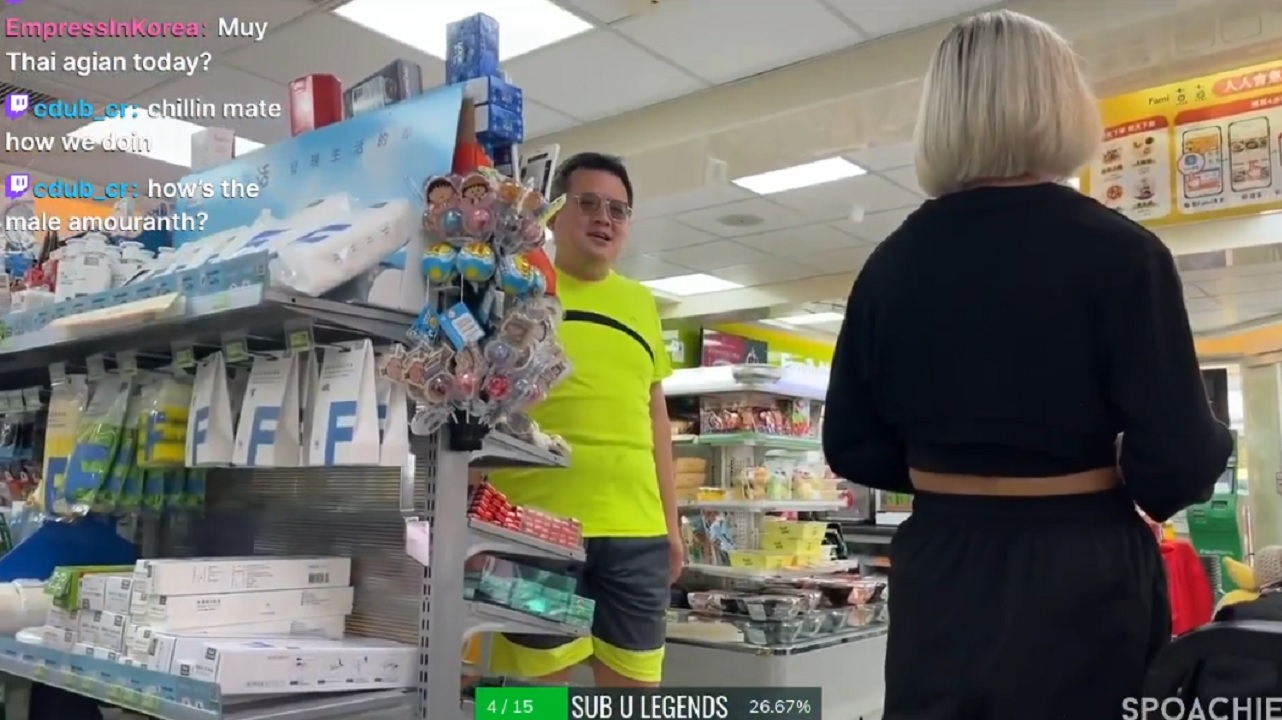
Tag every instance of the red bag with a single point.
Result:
(1192, 601)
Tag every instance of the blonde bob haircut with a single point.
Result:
(1004, 97)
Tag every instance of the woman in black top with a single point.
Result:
(994, 348)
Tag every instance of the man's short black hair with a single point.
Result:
(612, 164)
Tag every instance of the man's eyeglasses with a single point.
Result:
(591, 204)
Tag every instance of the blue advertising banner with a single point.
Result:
(379, 156)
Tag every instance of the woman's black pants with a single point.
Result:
(1022, 608)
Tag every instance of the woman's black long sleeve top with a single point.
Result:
(1016, 332)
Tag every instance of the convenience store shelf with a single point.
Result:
(486, 537)
(794, 382)
(199, 321)
(740, 573)
(504, 451)
(171, 697)
(487, 617)
(794, 648)
(767, 442)
(763, 506)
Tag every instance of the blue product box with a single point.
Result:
(495, 92)
(471, 49)
(496, 126)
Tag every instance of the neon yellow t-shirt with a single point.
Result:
(614, 340)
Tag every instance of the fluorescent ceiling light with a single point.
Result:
(818, 318)
(686, 285)
(165, 139)
(526, 25)
(800, 176)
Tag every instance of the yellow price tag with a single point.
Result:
(115, 692)
(299, 341)
(40, 672)
(150, 702)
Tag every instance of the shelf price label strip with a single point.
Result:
(118, 684)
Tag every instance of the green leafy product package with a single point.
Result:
(193, 497)
(153, 491)
(175, 480)
(97, 440)
(111, 499)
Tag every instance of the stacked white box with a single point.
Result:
(157, 647)
(106, 592)
(306, 666)
(179, 612)
(246, 574)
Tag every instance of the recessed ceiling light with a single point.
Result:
(165, 139)
(687, 285)
(818, 318)
(1074, 182)
(800, 176)
(525, 25)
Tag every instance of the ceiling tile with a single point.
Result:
(275, 13)
(721, 46)
(763, 273)
(771, 216)
(705, 257)
(905, 177)
(603, 12)
(656, 234)
(797, 241)
(541, 120)
(705, 197)
(875, 227)
(834, 200)
(833, 262)
(113, 86)
(225, 84)
(1202, 305)
(1232, 281)
(572, 78)
(883, 157)
(648, 267)
(884, 18)
(326, 43)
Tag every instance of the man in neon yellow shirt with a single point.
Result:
(612, 412)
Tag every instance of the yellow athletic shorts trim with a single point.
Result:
(508, 658)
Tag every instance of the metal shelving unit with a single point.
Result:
(448, 619)
(359, 512)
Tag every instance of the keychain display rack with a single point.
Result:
(357, 512)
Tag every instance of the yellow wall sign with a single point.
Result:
(1203, 149)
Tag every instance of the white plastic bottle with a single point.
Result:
(94, 273)
(68, 268)
(133, 260)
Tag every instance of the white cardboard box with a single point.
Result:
(178, 612)
(103, 592)
(63, 619)
(110, 630)
(303, 666)
(228, 575)
(142, 644)
(58, 638)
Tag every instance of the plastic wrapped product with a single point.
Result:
(97, 440)
(323, 257)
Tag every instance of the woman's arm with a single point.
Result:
(858, 444)
(1173, 449)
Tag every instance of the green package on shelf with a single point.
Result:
(496, 589)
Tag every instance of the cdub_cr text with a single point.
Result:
(665, 705)
(1254, 708)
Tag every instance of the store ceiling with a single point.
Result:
(693, 96)
(635, 53)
